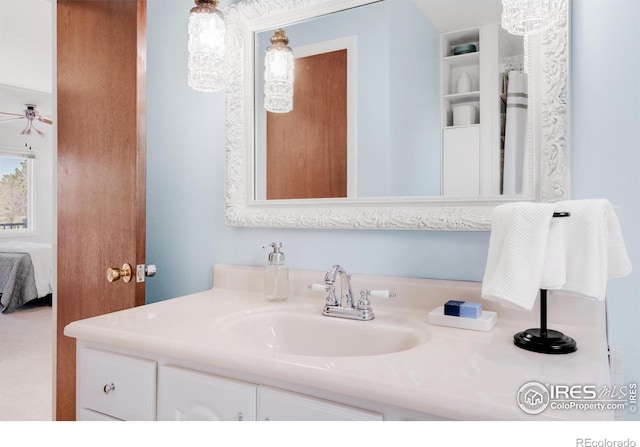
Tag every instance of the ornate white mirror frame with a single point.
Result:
(548, 132)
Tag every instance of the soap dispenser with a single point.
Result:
(276, 275)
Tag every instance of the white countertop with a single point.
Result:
(456, 373)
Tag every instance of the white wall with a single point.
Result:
(26, 56)
(26, 77)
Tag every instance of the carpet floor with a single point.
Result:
(26, 363)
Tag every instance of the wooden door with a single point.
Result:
(101, 54)
(307, 147)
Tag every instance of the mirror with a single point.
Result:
(374, 198)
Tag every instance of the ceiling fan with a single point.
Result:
(31, 115)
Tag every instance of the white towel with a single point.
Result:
(529, 250)
(594, 247)
(554, 271)
(517, 251)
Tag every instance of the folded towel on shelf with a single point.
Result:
(517, 251)
(529, 250)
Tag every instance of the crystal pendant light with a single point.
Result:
(278, 75)
(526, 17)
(206, 47)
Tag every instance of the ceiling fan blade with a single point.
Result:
(13, 114)
(12, 119)
(45, 120)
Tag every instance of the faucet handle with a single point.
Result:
(382, 293)
(365, 304)
(332, 299)
(319, 287)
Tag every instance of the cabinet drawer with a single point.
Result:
(117, 385)
(278, 405)
(185, 395)
(93, 416)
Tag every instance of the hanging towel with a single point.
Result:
(530, 250)
(554, 270)
(517, 251)
(515, 137)
(594, 247)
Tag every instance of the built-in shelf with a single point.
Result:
(459, 98)
(472, 153)
(462, 60)
(461, 143)
(462, 127)
(454, 66)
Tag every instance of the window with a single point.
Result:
(16, 192)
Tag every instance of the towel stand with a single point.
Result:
(543, 340)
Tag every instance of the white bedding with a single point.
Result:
(42, 259)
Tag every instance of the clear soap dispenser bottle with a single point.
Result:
(276, 275)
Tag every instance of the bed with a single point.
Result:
(25, 273)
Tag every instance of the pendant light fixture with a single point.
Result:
(206, 47)
(524, 18)
(278, 74)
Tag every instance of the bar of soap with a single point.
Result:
(455, 308)
(452, 308)
(471, 310)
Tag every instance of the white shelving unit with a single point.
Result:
(453, 66)
(473, 149)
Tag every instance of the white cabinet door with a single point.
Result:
(185, 395)
(461, 161)
(277, 405)
(116, 385)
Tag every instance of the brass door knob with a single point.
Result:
(115, 273)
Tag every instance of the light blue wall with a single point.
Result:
(606, 143)
(414, 112)
(186, 234)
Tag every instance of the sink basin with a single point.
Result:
(303, 332)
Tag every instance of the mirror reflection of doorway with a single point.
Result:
(300, 159)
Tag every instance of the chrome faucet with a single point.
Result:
(345, 278)
(346, 307)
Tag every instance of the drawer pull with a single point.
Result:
(241, 416)
(108, 388)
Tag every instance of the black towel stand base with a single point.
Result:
(554, 343)
(543, 340)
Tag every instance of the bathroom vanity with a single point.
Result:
(226, 354)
